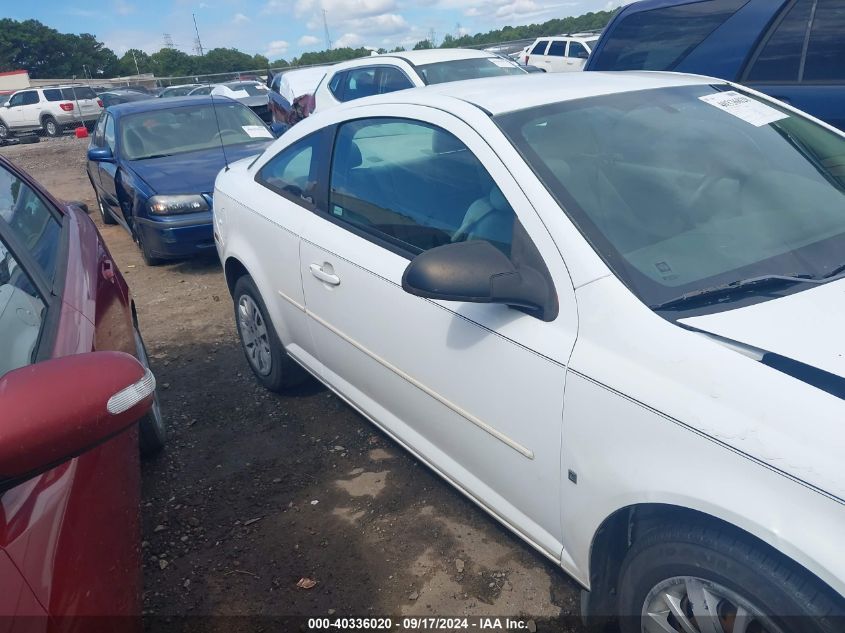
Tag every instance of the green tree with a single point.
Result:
(423, 45)
(126, 64)
(170, 62)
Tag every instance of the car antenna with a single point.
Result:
(219, 133)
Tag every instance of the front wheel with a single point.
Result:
(5, 134)
(687, 578)
(264, 352)
(52, 127)
(152, 432)
(105, 212)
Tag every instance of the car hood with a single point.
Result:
(192, 172)
(805, 327)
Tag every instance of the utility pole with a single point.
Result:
(135, 59)
(168, 41)
(326, 29)
(199, 41)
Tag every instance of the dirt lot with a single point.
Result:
(256, 491)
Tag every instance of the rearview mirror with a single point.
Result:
(478, 272)
(92, 397)
(100, 154)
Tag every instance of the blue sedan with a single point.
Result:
(153, 163)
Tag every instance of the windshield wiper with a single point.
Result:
(154, 156)
(704, 294)
(833, 273)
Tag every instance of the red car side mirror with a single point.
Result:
(57, 409)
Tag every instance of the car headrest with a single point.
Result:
(497, 199)
(350, 155)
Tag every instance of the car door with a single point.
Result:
(576, 56)
(14, 114)
(537, 56)
(556, 57)
(476, 390)
(800, 60)
(107, 170)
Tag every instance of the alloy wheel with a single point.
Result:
(253, 329)
(686, 604)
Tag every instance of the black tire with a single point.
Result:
(5, 132)
(29, 140)
(283, 372)
(787, 595)
(105, 212)
(152, 431)
(51, 127)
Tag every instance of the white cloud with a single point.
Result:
(240, 18)
(339, 10)
(308, 41)
(276, 49)
(121, 7)
(351, 40)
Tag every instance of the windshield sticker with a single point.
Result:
(257, 131)
(749, 110)
(239, 94)
(501, 63)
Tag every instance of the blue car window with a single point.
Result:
(780, 59)
(660, 38)
(826, 50)
(290, 172)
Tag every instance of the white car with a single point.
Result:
(560, 53)
(609, 312)
(379, 74)
(50, 110)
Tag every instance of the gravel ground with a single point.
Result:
(256, 491)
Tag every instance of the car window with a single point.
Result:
(108, 132)
(22, 312)
(780, 58)
(25, 98)
(763, 194)
(826, 49)
(557, 48)
(539, 47)
(53, 94)
(392, 79)
(97, 138)
(290, 172)
(660, 38)
(78, 92)
(415, 186)
(31, 221)
(473, 68)
(577, 49)
(16, 99)
(358, 83)
(335, 84)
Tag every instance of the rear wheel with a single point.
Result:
(152, 433)
(51, 127)
(264, 352)
(696, 579)
(105, 212)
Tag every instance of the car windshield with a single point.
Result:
(686, 188)
(77, 92)
(179, 91)
(187, 129)
(474, 68)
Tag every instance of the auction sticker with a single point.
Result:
(501, 63)
(745, 108)
(257, 131)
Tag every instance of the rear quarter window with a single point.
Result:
(72, 94)
(660, 38)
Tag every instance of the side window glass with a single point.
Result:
(335, 84)
(22, 313)
(415, 186)
(358, 83)
(31, 221)
(539, 48)
(557, 48)
(577, 49)
(826, 51)
(53, 94)
(780, 59)
(108, 132)
(16, 100)
(291, 171)
(30, 98)
(98, 139)
(392, 79)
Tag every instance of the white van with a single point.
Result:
(560, 53)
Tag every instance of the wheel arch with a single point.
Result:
(618, 532)
(233, 269)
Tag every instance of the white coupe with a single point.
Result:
(609, 312)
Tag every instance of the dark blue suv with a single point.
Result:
(793, 50)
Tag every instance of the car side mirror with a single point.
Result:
(278, 128)
(100, 154)
(92, 397)
(7, 105)
(477, 272)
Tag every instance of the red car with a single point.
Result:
(69, 467)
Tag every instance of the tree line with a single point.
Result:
(47, 53)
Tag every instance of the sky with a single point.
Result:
(287, 28)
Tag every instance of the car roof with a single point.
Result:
(149, 105)
(417, 58)
(496, 94)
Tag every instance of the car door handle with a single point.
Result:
(322, 275)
